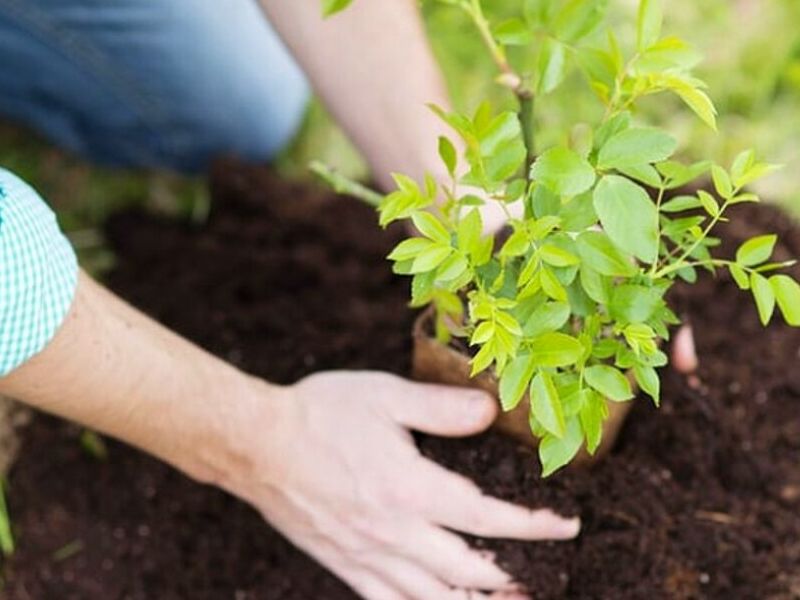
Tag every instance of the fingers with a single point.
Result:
(684, 355)
(415, 582)
(451, 559)
(370, 586)
(457, 503)
(442, 410)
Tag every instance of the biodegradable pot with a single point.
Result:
(434, 362)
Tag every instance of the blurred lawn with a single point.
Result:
(752, 67)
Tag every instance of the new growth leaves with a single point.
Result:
(568, 309)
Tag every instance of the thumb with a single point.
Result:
(442, 410)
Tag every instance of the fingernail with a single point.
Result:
(684, 355)
(477, 396)
(569, 528)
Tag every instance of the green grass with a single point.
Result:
(6, 537)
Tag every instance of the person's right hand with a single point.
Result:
(335, 469)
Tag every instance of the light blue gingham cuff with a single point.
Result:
(38, 273)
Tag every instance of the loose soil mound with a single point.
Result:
(699, 500)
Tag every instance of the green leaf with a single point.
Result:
(448, 154)
(578, 18)
(552, 350)
(429, 259)
(787, 293)
(501, 130)
(739, 276)
(513, 32)
(469, 231)
(410, 248)
(555, 452)
(331, 7)
(669, 53)
(551, 285)
(515, 380)
(742, 164)
(563, 171)
(764, 297)
(616, 124)
(516, 244)
(558, 257)
(543, 202)
(700, 103)
(578, 214)
(482, 252)
(596, 286)
(597, 251)
(646, 174)
(722, 181)
(508, 322)
(538, 13)
(648, 24)
(709, 203)
(636, 146)
(592, 415)
(679, 174)
(483, 333)
(422, 288)
(452, 268)
(483, 359)
(551, 66)
(634, 303)
(756, 251)
(680, 204)
(628, 216)
(610, 382)
(647, 378)
(546, 405)
(430, 227)
(550, 316)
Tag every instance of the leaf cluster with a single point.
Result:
(570, 308)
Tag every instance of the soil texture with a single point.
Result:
(700, 499)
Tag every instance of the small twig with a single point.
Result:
(716, 517)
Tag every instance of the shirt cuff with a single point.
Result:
(38, 273)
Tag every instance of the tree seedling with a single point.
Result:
(574, 298)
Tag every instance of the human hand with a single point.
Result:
(338, 473)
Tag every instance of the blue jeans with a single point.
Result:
(147, 83)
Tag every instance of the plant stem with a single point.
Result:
(509, 78)
(526, 106)
(343, 185)
(679, 263)
(659, 200)
(475, 11)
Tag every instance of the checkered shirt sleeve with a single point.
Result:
(38, 273)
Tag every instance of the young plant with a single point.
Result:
(574, 298)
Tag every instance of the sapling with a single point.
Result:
(574, 298)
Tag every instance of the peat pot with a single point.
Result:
(434, 362)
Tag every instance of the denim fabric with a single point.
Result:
(143, 83)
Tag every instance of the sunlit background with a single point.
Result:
(752, 66)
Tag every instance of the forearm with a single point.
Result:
(115, 370)
(374, 69)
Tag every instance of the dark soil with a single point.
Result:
(699, 500)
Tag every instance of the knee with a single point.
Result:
(252, 120)
(268, 118)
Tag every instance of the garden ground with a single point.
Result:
(699, 500)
